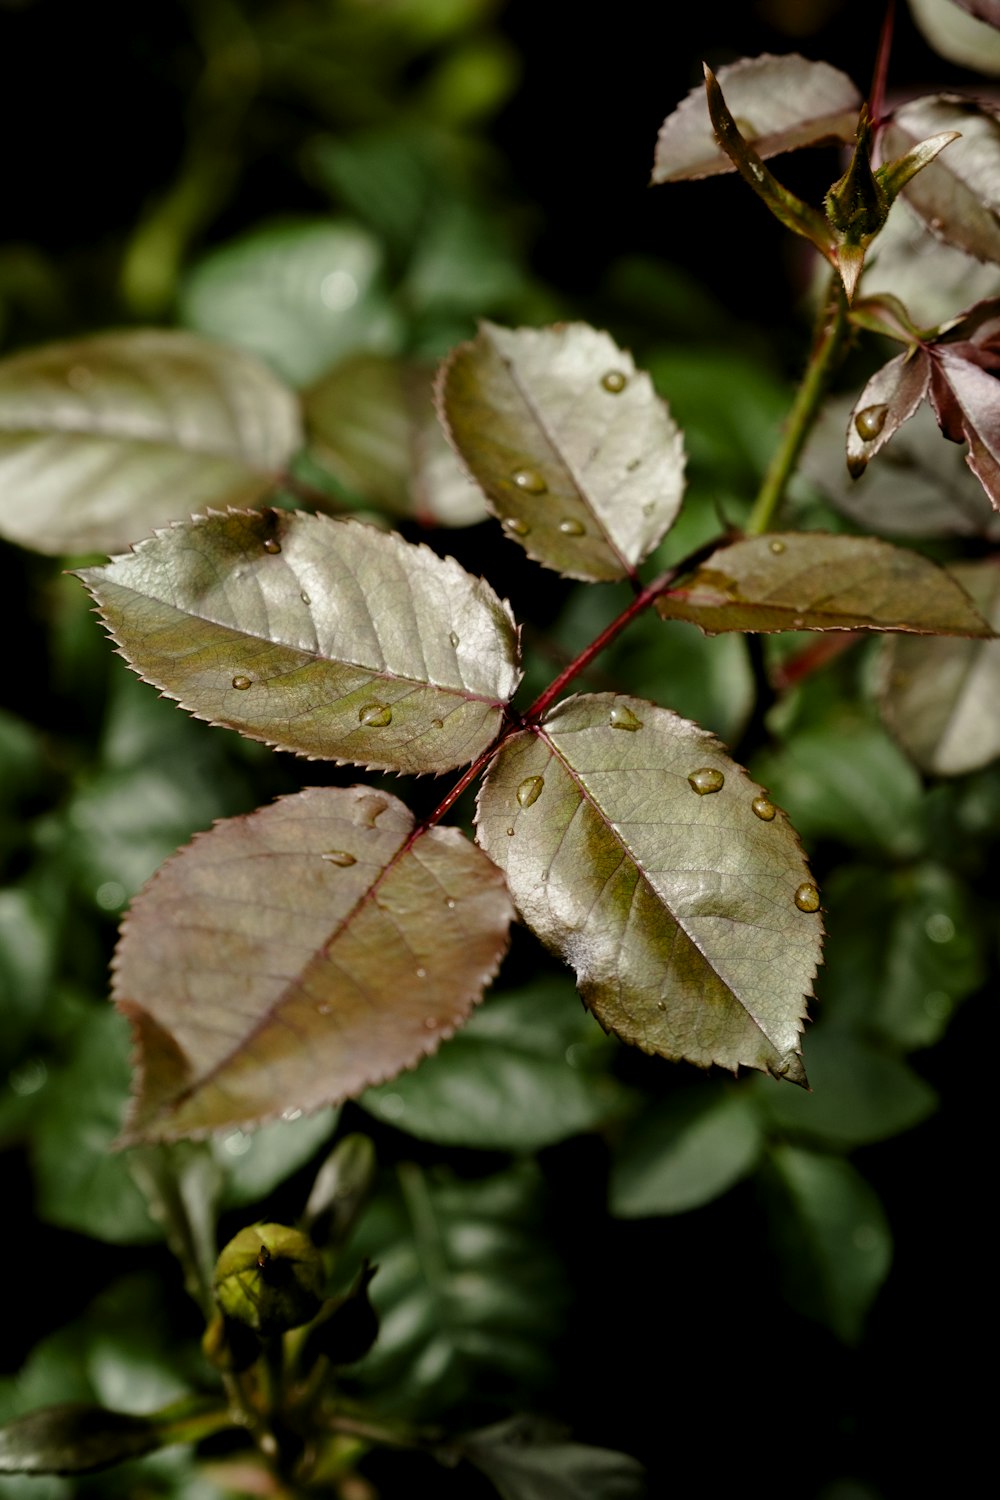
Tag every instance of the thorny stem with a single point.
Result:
(828, 346)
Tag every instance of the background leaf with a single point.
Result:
(958, 195)
(677, 910)
(106, 437)
(577, 455)
(324, 637)
(527, 1462)
(284, 961)
(684, 1151)
(779, 103)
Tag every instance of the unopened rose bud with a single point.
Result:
(269, 1278)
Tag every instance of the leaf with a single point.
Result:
(677, 910)
(577, 455)
(684, 1151)
(961, 38)
(807, 580)
(522, 1074)
(983, 10)
(103, 438)
(286, 960)
(888, 400)
(779, 103)
(832, 1234)
(928, 276)
(527, 1461)
(325, 637)
(301, 296)
(255, 1165)
(966, 399)
(941, 699)
(957, 196)
(77, 1438)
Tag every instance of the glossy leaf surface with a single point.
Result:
(287, 960)
(810, 581)
(941, 699)
(684, 1151)
(675, 907)
(577, 455)
(779, 103)
(103, 438)
(957, 196)
(889, 399)
(325, 637)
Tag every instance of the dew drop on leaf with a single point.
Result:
(661, 1005)
(305, 598)
(451, 903)
(272, 546)
(807, 897)
(706, 781)
(530, 790)
(622, 717)
(530, 481)
(437, 723)
(763, 809)
(869, 423)
(339, 857)
(515, 526)
(614, 381)
(291, 1114)
(572, 527)
(421, 973)
(453, 638)
(510, 833)
(375, 715)
(777, 546)
(241, 684)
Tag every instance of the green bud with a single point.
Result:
(269, 1278)
(857, 205)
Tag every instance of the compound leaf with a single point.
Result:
(325, 637)
(779, 103)
(637, 850)
(810, 581)
(286, 960)
(106, 437)
(958, 195)
(578, 456)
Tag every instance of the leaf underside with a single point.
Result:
(811, 581)
(677, 910)
(575, 452)
(104, 438)
(287, 960)
(328, 638)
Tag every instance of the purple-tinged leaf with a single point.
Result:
(779, 103)
(808, 580)
(637, 850)
(927, 276)
(325, 637)
(983, 10)
(888, 400)
(941, 699)
(287, 960)
(958, 196)
(966, 400)
(577, 455)
(104, 438)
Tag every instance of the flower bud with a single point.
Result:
(269, 1278)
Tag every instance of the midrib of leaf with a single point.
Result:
(628, 853)
(563, 460)
(171, 441)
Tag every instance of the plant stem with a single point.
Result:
(828, 346)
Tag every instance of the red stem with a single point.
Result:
(876, 102)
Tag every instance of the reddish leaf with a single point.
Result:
(957, 196)
(966, 399)
(289, 959)
(889, 399)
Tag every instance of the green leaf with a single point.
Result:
(958, 197)
(859, 1094)
(684, 1151)
(780, 103)
(807, 580)
(325, 637)
(300, 296)
(77, 1438)
(941, 699)
(289, 959)
(106, 437)
(468, 1291)
(254, 1165)
(674, 902)
(831, 1232)
(577, 455)
(526, 1460)
(523, 1073)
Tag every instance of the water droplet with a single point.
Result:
(339, 857)
(572, 527)
(241, 684)
(622, 717)
(451, 903)
(515, 526)
(530, 481)
(869, 423)
(510, 833)
(614, 381)
(807, 897)
(706, 781)
(530, 790)
(777, 546)
(374, 715)
(757, 170)
(661, 1005)
(939, 927)
(453, 638)
(305, 598)
(437, 723)
(421, 973)
(291, 1114)
(272, 546)
(370, 808)
(763, 809)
